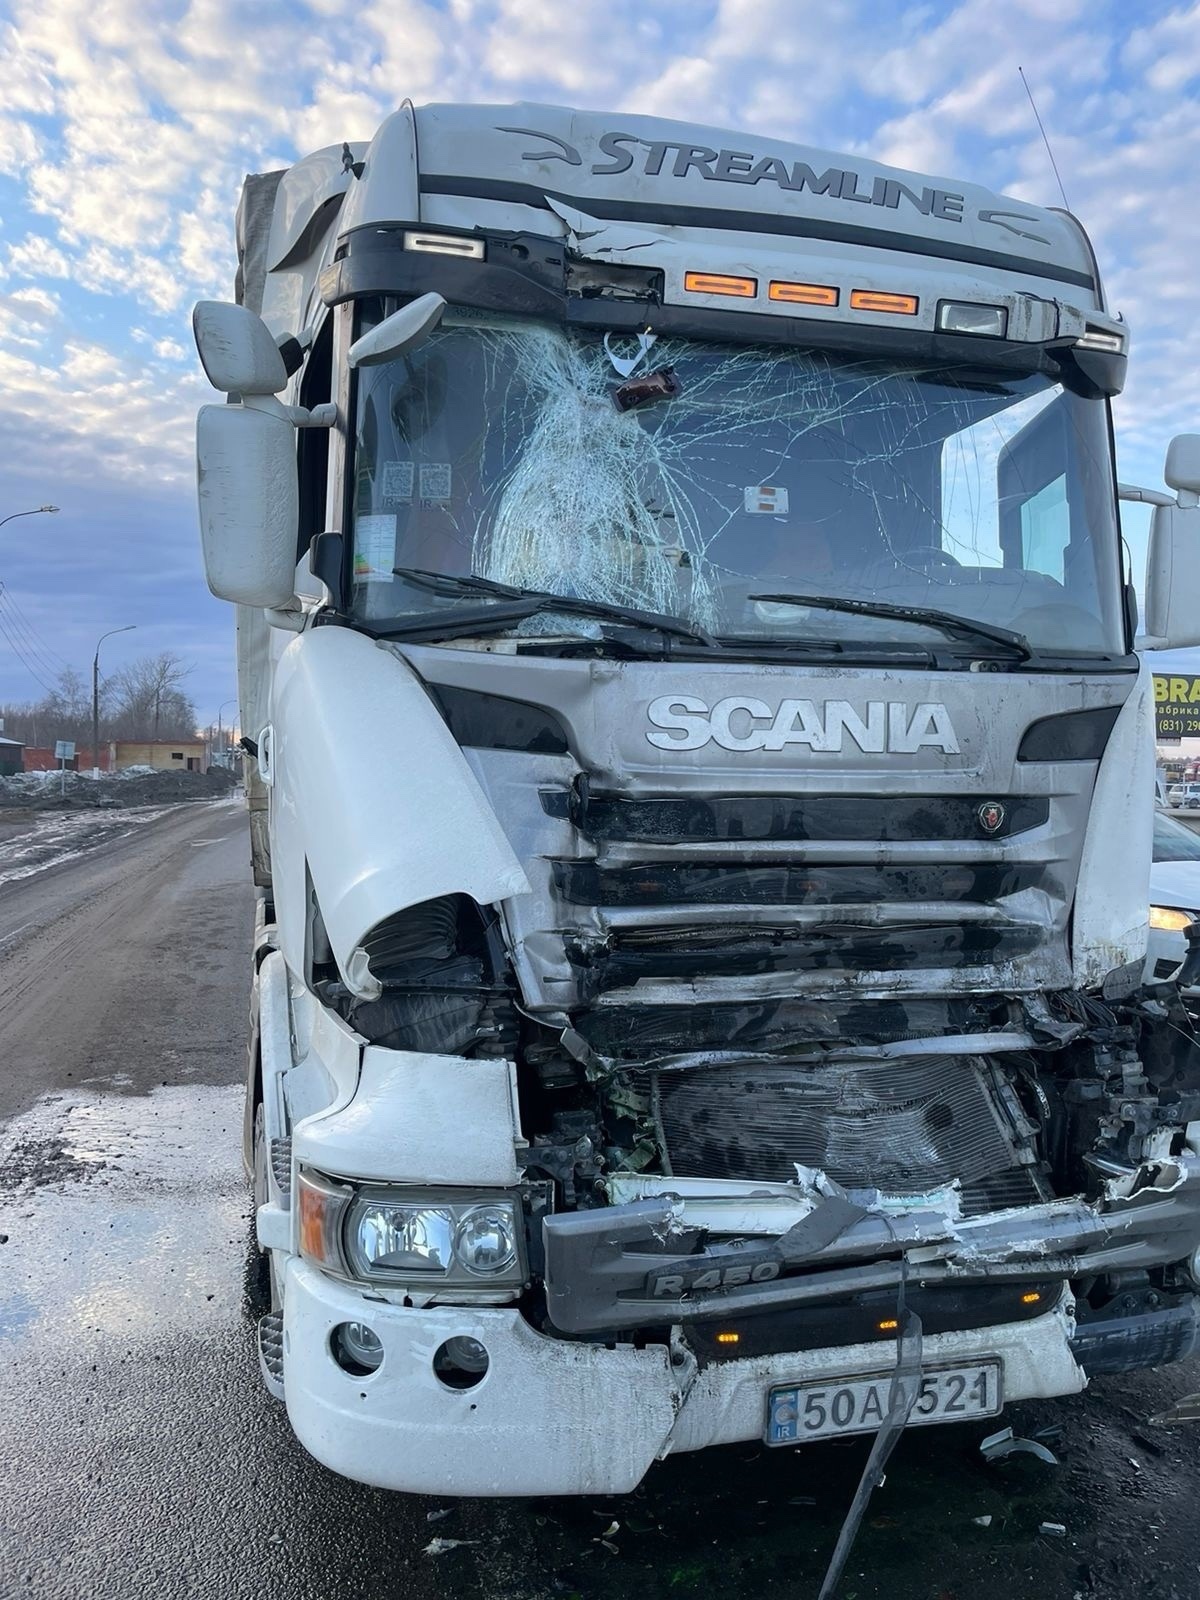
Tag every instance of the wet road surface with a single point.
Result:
(140, 1455)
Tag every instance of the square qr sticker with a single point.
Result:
(397, 485)
(435, 480)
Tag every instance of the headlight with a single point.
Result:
(1168, 918)
(422, 1239)
(485, 1241)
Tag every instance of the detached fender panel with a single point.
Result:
(371, 792)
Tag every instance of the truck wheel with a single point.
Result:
(262, 1289)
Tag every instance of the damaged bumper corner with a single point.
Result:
(641, 1264)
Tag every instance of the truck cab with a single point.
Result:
(700, 787)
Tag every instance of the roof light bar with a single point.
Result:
(962, 316)
(901, 305)
(720, 283)
(804, 294)
(444, 244)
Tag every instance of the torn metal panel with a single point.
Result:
(608, 1269)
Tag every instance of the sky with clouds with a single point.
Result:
(126, 127)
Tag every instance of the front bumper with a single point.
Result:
(560, 1417)
(643, 1265)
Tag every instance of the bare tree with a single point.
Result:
(144, 700)
(149, 700)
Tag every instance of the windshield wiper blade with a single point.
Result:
(454, 585)
(969, 629)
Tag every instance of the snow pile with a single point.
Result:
(133, 786)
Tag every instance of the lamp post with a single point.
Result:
(220, 713)
(129, 626)
(35, 511)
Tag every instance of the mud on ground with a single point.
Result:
(29, 792)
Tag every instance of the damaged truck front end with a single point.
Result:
(690, 682)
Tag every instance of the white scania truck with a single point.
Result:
(700, 781)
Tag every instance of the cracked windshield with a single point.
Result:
(692, 479)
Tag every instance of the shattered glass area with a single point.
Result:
(504, 451)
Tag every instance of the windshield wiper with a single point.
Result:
(1008, 637)
(532, 602)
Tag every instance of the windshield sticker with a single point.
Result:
(374, 548)
(435, 480)
(397, 485)
(765, 500)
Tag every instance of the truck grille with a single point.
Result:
(749, 886)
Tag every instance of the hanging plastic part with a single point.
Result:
(1005, 1443)
(902, 1397)
(624, 365)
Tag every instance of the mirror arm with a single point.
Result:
(1149, 497)
(322, 416)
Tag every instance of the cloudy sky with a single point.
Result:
(126, 127)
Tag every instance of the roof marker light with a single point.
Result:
(903, 305)
(444, 244)
(804, 294)
(720, 283)
(960, 316)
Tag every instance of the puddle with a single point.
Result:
(121, 1213)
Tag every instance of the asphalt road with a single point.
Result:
(140, 1456)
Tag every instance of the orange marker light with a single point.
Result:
(729, 1337)
(889, 1325)
(1030, 1299)
(904, 305)
(720, 283)
(804, 294)
(313, 1206)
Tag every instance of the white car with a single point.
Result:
(1186, 795)
(1174, 895)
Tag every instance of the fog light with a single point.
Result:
(461, 1362)
(356, 1348)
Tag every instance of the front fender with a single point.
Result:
(372, 795)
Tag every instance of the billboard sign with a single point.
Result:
(1176, 706)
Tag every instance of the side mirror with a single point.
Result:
(237, 351)
(396, 335)
(1182, 470)
(249, 503)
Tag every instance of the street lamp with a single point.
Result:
(220, 713)
(129, 626)
(36, 511)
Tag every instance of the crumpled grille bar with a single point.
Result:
(751, 818)
(665, 883)
(745, 951)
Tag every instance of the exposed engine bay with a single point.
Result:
(956, 1129)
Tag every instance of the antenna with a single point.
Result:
(1045, 140)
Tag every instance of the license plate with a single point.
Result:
(800, 1411)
